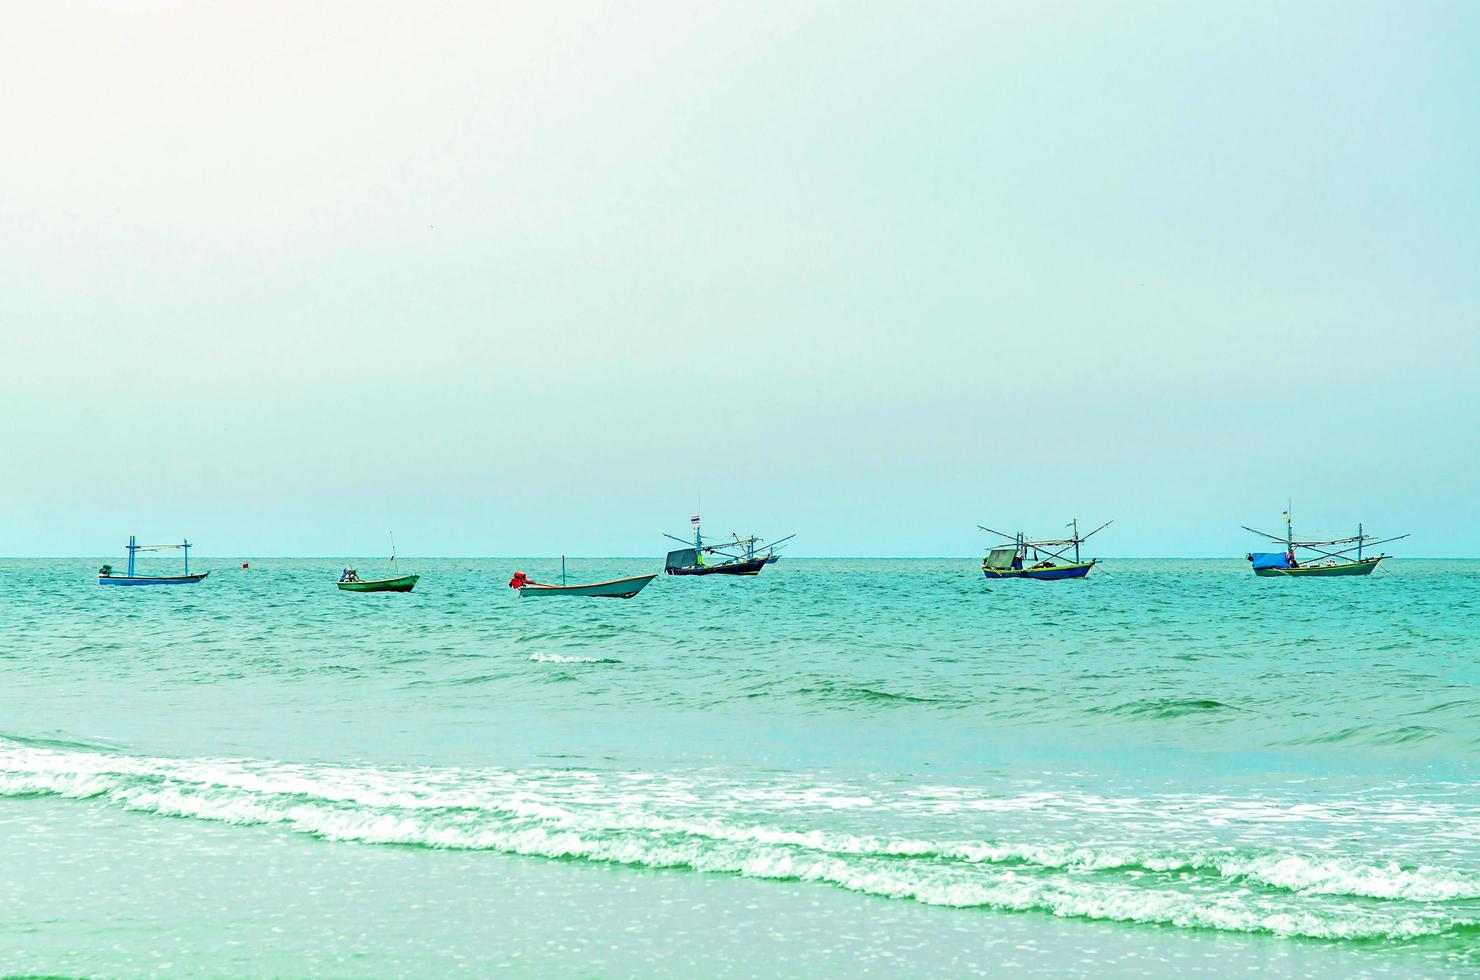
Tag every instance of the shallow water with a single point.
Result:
(1171, 762)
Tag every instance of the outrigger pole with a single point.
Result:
(1362, 540)
(134, 548)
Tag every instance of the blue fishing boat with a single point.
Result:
(106, 576)
(1333, 558)
(738, 556)
(1039, 559)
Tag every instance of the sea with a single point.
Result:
(837, 768)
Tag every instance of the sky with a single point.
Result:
(534, 278)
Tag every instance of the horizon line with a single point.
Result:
(248, 557)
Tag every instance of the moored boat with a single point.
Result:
(1336, 557)
(1039, 559)
(738, 556)
(106, 576)
(350, 581)
(619, 588)
(686, 561)
(404, 583)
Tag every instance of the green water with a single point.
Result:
(835, 768)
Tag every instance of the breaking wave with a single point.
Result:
(768, 830)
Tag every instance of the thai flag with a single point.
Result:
(694, 521)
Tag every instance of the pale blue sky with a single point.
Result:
(527, 278)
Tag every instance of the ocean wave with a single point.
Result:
(558, 658)
(728, 826)
(830, 692)
(1163, 708)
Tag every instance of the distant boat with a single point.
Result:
(350, 581)
(1346, 559)
(685, 561)
(621, 588)
(354, 583)
(106, 576)
(1040, 559)
(738, 556)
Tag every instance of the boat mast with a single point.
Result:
(185, 543)
(1359, 541)
(1289, 532)
(132, 547)
(562, 571)
(1075, 522)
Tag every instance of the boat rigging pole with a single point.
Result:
(1289, 532)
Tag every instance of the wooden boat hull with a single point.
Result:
(403, 584)
(1041, 574)
(1363, 567)
(752, 567)
(151, 579)
(622, 588)
(773, 559)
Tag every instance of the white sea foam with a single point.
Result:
(559, 658)
(714, 824)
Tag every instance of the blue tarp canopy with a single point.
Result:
(1269, 559)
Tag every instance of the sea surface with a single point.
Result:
(841, 767)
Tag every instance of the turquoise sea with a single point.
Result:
(842, 767)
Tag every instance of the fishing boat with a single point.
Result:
(1328, 559)
(106, 576)
(353, 583)
(1039, 559)
(620, 588)
(754, 547)
(350, 581)
(738, 556)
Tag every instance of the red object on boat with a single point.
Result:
(245, 565)
(519, 581)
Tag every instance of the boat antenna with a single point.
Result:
(394, 567)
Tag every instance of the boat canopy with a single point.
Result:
(1001, 558)
(1269, 559)
(682, 558)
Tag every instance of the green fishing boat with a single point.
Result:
(1333, 558)
(356, 584)
(350, 581)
